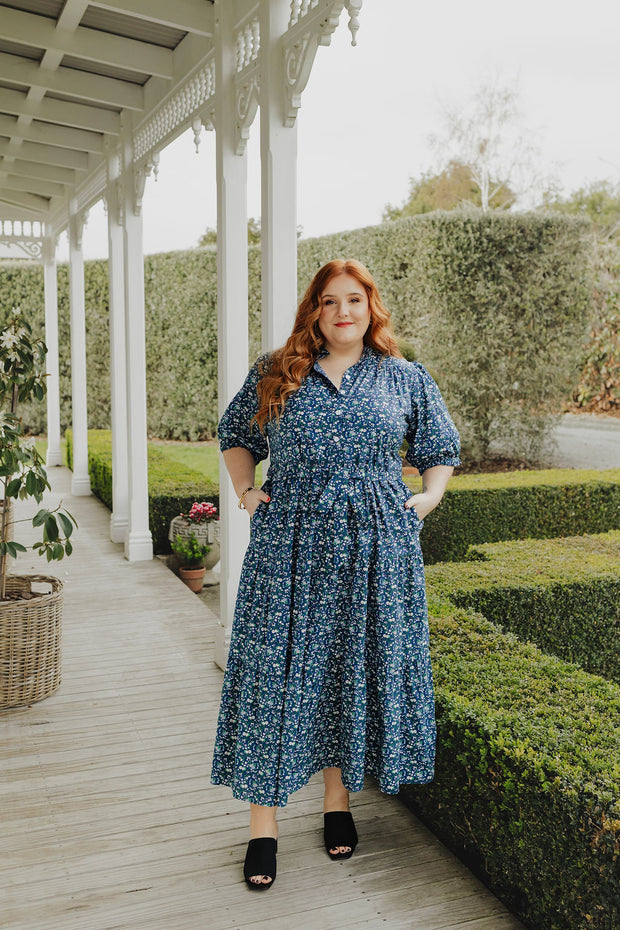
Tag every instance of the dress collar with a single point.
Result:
(367, 352)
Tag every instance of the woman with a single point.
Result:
(329, 664)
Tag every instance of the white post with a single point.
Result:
(54, 455)
(138, 541)
(118, 391)
(80, 482)
(232, 309)
(278, 151)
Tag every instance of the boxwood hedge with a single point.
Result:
(519, 505)
(527, 783)
(563, 594)
(496, 306)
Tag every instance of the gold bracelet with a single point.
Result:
(241, 505)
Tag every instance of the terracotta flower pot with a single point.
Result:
(193, 578)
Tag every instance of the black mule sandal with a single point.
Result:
(260, 859)
(339, 830)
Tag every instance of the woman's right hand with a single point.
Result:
(253, 498)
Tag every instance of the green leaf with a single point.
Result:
(40, 518)
(66, 524)
(68, 547)
(51, 528)
(31, 483)
(15, 547)
(12, 488)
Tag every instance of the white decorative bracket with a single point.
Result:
(140, 174)
(77, 222)
(247, 80)
(208, 119)
(246, 106)
(113, 199)
(312, 23)
(26, 235)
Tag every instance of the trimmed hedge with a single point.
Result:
(496, 306)
(519, 505)
(527, 774)
(173, 487)
(563, 594)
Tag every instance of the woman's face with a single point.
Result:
(345, 314)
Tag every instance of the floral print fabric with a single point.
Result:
(329, 660)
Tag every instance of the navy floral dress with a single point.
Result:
(329, 660)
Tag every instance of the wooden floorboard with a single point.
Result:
(108, 818)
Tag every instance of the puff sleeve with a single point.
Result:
(234, 428)
(431, 435)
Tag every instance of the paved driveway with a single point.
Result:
(584, 440)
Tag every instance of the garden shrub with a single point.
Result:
(497, 305)
(173, 487)
(494, 305)
(527, 776)
(563, 594)
(519, 505)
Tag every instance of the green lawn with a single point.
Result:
(197, 455)
(202, 457)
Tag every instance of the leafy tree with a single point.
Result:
(209, 237)
(599, 200)
(598, 389)
(487, 135)
(450, 189)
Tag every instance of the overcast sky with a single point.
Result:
(368, 111)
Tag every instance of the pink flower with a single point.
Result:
(202, 511)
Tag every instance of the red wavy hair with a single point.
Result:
(283, 372)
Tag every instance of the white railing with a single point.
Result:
(247, 44)
(299, 8)
(21, 229)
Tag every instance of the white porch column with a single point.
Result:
(278, 151)
(54, 455)
(232, 309)
(138, 541)
(118, 391)
(80, 481)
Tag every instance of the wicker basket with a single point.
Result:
(30, 641)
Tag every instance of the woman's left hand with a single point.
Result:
(422, 503)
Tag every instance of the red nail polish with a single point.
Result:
(268, 499)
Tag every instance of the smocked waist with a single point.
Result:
(313, 471)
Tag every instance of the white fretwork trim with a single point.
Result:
(247, 44)
(312, 23)
(141, 173)
(77, 222)
(186, 103)
(247, 88)
(301, 9)
(26, 235)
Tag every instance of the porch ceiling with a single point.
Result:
(68, 70)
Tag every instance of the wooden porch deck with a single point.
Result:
(108, 817)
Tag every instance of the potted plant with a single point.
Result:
(190, 535)
(191, 554)
(30, 619)
(200, 522)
